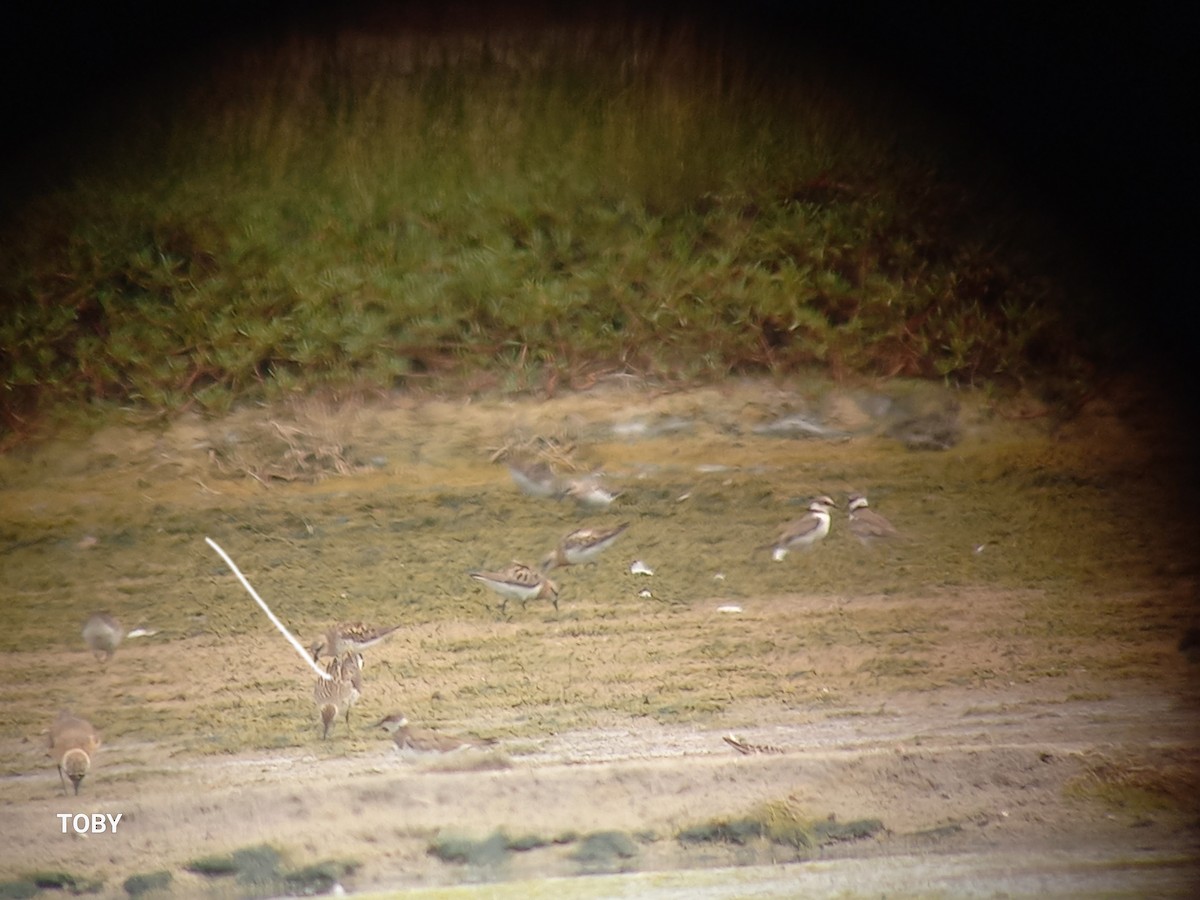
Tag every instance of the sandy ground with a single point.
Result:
(1014, 731)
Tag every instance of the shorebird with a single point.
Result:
(420, 741)
(534, 478)
(748, 749)
(804, 532)
(72, 742)
(866, 524)
(582, 545)
(339, 692)
(519, 582)
(103, 634)
(590, 492)
(348, 637)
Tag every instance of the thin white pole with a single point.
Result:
(270, 615)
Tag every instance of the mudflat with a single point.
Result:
(1002, 687)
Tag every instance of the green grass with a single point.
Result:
(348, 213)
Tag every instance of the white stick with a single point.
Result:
(270, 615)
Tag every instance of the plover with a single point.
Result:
(748, 749)
(420, 741)
(103, 634)
(72, 742)
(349, 637)
(534, 478)
(866, 524)
(590, 492)
(519, 582)
(582, 545)
(340, 691)
(804, 532)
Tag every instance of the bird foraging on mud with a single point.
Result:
(103, 633)
(73, 741)
(340, 691)
(519, 582)
(582, 546)
(803, 533)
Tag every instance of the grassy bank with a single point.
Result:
(366, 209)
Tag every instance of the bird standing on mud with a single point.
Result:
(866, 524)
(804, 532)
(103, 634)
(73, 741)
(519, 582)
(340, 691)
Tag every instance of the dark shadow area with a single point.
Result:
(1087, 112)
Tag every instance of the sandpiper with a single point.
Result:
(519, 582)
(349, 637)
(866, 524)
(582, 546)
(72, 742)
(103, 634)
(804, 532)
(534, 478)
(339, 692)
(590, 492)
(420, 741)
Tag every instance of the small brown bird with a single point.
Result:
(534, 478)
(803, 533)
(519, 582)
(589, 492)
(748, 749)
(866, 524)
(582, 546)
(103, 634)
(422, 742)
(72, 742)
(338, 693)
(348, 637)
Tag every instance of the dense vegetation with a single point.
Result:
(365, 210)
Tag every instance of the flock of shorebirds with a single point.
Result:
(73, 740)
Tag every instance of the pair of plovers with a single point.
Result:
(521, 582)
(865, 524)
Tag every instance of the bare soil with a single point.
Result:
(1001, 691)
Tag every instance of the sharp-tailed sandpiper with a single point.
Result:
(103, 634)
(519, 582)
(582, 546)
(73, 740)
(534, 478)
(590, 492)
(340, 691)
(349, 637)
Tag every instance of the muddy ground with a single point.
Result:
(998, 696)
